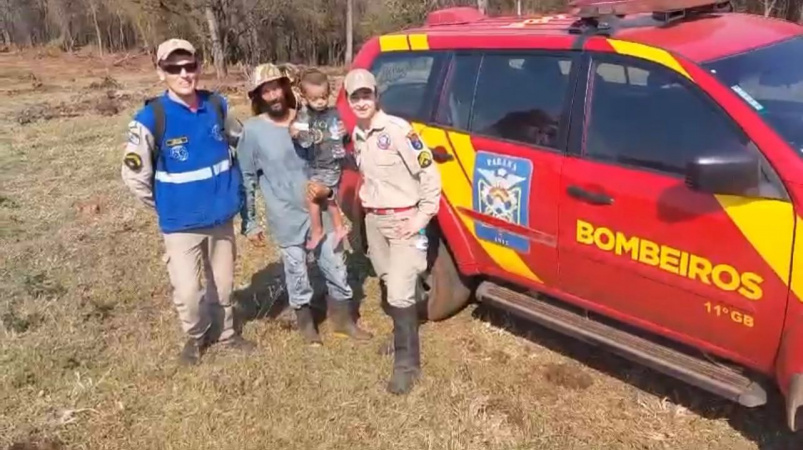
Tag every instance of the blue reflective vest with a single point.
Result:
(197, 183)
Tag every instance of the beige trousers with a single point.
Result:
(188, 254)
(397, 262)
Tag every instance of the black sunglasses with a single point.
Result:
(175, 69)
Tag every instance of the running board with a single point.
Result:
(699, 372)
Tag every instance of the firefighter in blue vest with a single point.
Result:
(178, 161)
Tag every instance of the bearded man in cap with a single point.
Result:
(178, 161)
(271, 158)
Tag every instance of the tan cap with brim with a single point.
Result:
(171, 45)
(265, 73)
(359, 79)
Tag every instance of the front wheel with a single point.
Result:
(444, 291)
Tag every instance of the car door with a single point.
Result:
(635, 240)
(508, 147)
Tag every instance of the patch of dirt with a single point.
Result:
(88, 208)
(41, 286)
(566, 376)
(36, 82)
(510, 408)
(500, 357)
(33, 445)
(111, 104)
(7, 202)
(108, 82)
(18, 323)
(470, 343)
(45, 111)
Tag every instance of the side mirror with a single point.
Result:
(731, 174)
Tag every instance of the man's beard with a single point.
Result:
(276, 110)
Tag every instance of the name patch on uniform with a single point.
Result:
(383, 141)
(415, 141)
(502, 190)
(177, 141)
(133, 161)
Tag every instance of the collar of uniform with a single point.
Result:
(379, 121)
(175, 99)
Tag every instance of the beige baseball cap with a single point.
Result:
(169, 46)
(359, 79)
(265, 73)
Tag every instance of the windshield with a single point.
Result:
(770, 79)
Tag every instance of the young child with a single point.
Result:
(326, 150)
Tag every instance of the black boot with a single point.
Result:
(306, 326)
(386, 346)
(343, 322)
(407, 354)
(238, 343)
(193, 349)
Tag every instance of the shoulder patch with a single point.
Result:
(134, 134)
(424, 159)
(415, 141)
(133, 161)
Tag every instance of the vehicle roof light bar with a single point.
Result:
(596, 15)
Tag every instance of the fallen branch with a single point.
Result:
(122, 60)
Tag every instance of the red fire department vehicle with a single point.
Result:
(630, 174)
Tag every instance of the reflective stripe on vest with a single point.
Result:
(193, 175)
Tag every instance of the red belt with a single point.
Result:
(385, 211)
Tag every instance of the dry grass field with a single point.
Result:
(89, 336)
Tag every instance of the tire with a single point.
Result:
(444, 291)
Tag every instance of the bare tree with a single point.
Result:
(254, 31)
(93, 6)
(349, 31)
(217, 47)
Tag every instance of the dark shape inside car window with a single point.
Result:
(402, 81)
(458, 94)
(521, 97)
(645, 117)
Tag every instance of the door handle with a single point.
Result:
(440, 155)
(595, 198)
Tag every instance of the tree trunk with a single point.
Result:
(349, 31)
(94, 7)
(217, 46)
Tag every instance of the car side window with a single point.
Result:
(403, 83)
(458, 92)
(644, 116)
(520, 97)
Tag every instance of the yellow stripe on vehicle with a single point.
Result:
(750, 215)
(393, 43)
(653, 54)
(753, 217)
(797, 263)
(419, 42)
(457, 190)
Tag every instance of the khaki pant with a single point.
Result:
(188, 254)
(396, 261)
